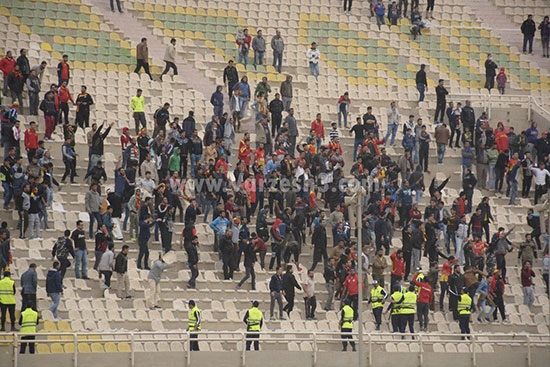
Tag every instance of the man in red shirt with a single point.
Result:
(397, 267)
(478, 249)
(351, 289)
(527, 275)
(63, 70)
(64, 98)
(7, 65)
(446, 270)
(31, 141)
(319, 130)
(425, 296)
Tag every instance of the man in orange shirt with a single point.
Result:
(478, 250)
(351, 289)
(317, 127)
(446, 270)
(31, 141)
(63, 70)
(64, 98)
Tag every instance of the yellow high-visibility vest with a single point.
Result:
(396, 308)
(6, 291)
(376, 297)
(29, 321)
(255, 317)
(193, 319)
(464, 304)
(347, 321)
(409, 303)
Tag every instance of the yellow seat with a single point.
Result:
(342, 50)
(341, 72)
(342, 42)
(71, 24)
(343, 26)
(138, 6)
(222, 13)
(43, 348)
(97, 348)
(70, 40)
(168, 33)
(169, 9)
(304, 16)
(189, 34)
(159, 8)
(58, 40)
(124, 347)
(332, 41)
(114, 36)
(94, 27)
(361, 51)
(362, 80)
(89, 65)
(14, 20)
(411, 67)
(240, 68)
(178, 33)
(59, 23)
(110, 348)
(47, 22)
(201, 12)
(361, 65)
(219, 51)
(92, 42)
(83, 25)
(57, 348)
(25, 29)
(209, 44)
(199, 35)
(123, 68)
(314, 17)
(381, 43)
(68, 348)
(158, 24)
(4, 11)
(78, 65)
(180, 10)
(101, 66)
(331, 64)
(49, 326)
(352, 50)
(302, 32)
(232, 13)
(84, 348)
(362, 35)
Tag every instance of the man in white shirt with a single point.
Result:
(170, 58)
(147, 183)
(313, 56)
(309, 296)
(540, 180)
(393, 122)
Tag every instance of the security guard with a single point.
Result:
(194, 324)
(254, 320)
(419, 277)
(408, 309)
(7, 300)
(346, 324)
(464, 307)
(395, 306)
(28, 321)
(377, 297)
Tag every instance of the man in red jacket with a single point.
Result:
(319, 130)
(31, 141)
(7, 64)
(397, 267)
(64, 98)
(425, 296)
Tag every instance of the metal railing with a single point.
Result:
(317, 341)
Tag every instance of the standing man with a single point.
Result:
(319, 241)
(83, 103)
(397, 267)
(309, 299)
(442, 135)
(347, 315)
(24, 66)
(313, 57)
(142, 57)
(278, 46)
(31, 141)
(7, 300)
(330, 278)
(137, 104)
(276, 107)
(258, 45)
(393, 122)
(192, 257)
(33, 86)
(289, 284)
(276, 289)
(7, 65)
(216, 100)
(93, 202)
(528, 28)
(408, 309)
(286, 92)
(155, 274)
(243, 42)
(491, 71)
(351, 290)
(194, 325)
(464, 307)
(293, 131)
(170, 58)
(230, 77)
(441, 102)
(63, 70)
(249, 261)
(425, 298)
(121, 269)
(377, 297)
(54, 287)
(28, 321)
(254, 320)
(29, 285)
(421, 81)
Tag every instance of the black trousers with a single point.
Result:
(354, 300)
(395, 322)
(407, 259)
(317, 256)
(424, 154)
(275, 123)
(170, 65)
(28, 300)
(440, 110)
(378, 316)
(453, 305)
(23, 348)
(404, 214)
(422, 311)
(4, 309)
(194, 344)
(69, 170)
(64, 111)
(143, 254)
(290, 303)
(501, 264)
(228, 267)
(394, 279)
(539, 191)
(347, 5)
(256, 342)
(83, 118)
(499, 302)
(311, 306)
(526, 186)
(107, 274)
(489, 82)
(346, 334)
(143, 64)
(30, 154)
(499, 179)
(464, 322)
(454, 131)
(444, 289)
(407, 318)
(64, 263)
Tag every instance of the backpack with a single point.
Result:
(61, 250)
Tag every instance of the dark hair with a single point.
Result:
(124, 247)
(143, 39)
(55, 264)
(67, 233)
(111, 246)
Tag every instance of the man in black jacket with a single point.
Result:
(83, 103)
(490, 72)
(441, 102)
(121, 268)
(319, 241)
(230, 77)
(421, 82)
(249, 260)
(97, 148)
(455, 283)
(24, 66)
(16, 82)
(528, 28)
(226, 247)
(276, 291)
(276, 108)
(468, 116)
(289, 283)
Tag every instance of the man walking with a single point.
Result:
(54, 288)
(421, 82)
(155, 274)
(441, 102)
(276, 289)
(330, 279)
(249, 261)
(286, 92)
(230, 77)
(29, 285)
(7, 301)
(170, 58)
(464, 307)
(121, 269)
(309, 296)
(83, 103)
(377, 297)
(81, 252)
(313, 57)
(258, 45)
(142, 57)
(278, 46)
(194, 325)
(347, 315)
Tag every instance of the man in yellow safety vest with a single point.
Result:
(254, 320)
(346, 325)
(464, 310)
(396, 300)
(377, 297)
(28, 321)
(408, 309)
(194, 324)
(7, 300)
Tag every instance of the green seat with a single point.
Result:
(323, 34)
(91, 58)
(78, 56)
(231, 21)
(79, 49)
(210, 20)
(91, 50)
(170, 25)
(159, 16)
(210, 28)
(125, 52)
(103, 42)
(114, 51)
(170, 17)
(58, 47)
(201, 27)
(260, 68)
(114, 59)
(200, 19)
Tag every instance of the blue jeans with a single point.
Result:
(126, 216)
(243, 104)
(44, 214)
(8, 194)
(392, 129)
(243, 57)
(416, 154)
(418, 196)
(259, 57)
(314, 69)
(492, 176)
(340, 114)
(421, 88)
(81, 258)
(53, 308)
(277, 60)
(218, 111)
(356, 144)
(482, 312)
(441, 152)
(97, 217)
(208, 204)
(514, 186)
(380, 20)
(194, 159)
(194, 274)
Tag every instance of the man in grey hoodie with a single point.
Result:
(278, 46)
(29, 283)
(258, 45)
(93, 202)
(153, 278)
